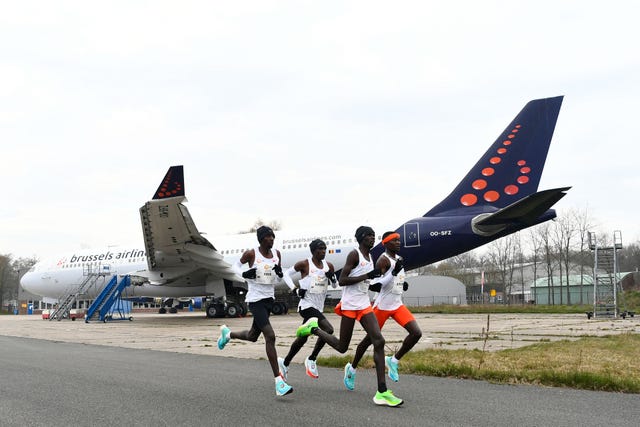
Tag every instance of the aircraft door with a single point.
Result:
(411, 235)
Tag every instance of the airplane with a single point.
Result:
(497, 197)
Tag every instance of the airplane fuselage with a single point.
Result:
(424, 241)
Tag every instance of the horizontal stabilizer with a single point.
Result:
(525, 211)
(213, 261)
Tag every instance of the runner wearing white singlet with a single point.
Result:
(264, 272)
(354, 305)
(316, 275)
(388, 303)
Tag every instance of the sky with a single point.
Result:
(315, 114)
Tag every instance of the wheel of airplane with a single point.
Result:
(233, 310)
(211, 311)
(277, 308)
(162, 310)
(215, 310)
(173, 310)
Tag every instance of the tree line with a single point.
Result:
(554, 250)
(10, 272)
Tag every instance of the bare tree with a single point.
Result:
(583, 224)
(536, 244)
(543, 232)
(564, 230)
(629, 257)
(274, 224)
(520, 258)
(5, 265)
(502, 256)
(10, 273)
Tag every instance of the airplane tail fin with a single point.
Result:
(172, 185)
(511, 168)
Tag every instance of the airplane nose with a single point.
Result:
(28, 283)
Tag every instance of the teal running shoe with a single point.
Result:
(225, 336)
(393, 368)
(282, 388)
(349, 377)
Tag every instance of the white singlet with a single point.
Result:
(316, 286)
(264, 284)
(390, 296)
(356, 296)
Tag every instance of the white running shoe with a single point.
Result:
(312, 368)
(283, 368)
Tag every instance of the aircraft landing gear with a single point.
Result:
(219, 308)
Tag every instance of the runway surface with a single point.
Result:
(167, 370)
(58, 383)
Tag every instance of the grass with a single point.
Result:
(501, 308)
(608, 363)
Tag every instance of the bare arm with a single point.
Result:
(383, 264)
(247, 257)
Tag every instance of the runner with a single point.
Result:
(262, 275)
(354, 305)
(388, 303)
(316, 273)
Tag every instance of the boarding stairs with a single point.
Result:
(109, 298)
(608, 298)
(91, 276)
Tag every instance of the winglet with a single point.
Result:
(172, 185)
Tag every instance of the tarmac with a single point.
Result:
(194, 333)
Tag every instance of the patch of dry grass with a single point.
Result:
(608, 363)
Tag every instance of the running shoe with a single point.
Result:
(283, 368)
(312, 368)
(393, 368)
(387, 398)
(225, 336)
(349, 377)
(307, 327)
(282, 387)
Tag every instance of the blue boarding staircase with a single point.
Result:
(92, 275)
(110, 296)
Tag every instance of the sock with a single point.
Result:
(393, 359)
(382, 387)
(352, 370)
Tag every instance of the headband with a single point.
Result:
(390, 237)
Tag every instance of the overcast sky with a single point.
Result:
(312, 113)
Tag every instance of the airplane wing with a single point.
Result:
(524, 211)
(175, 248)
